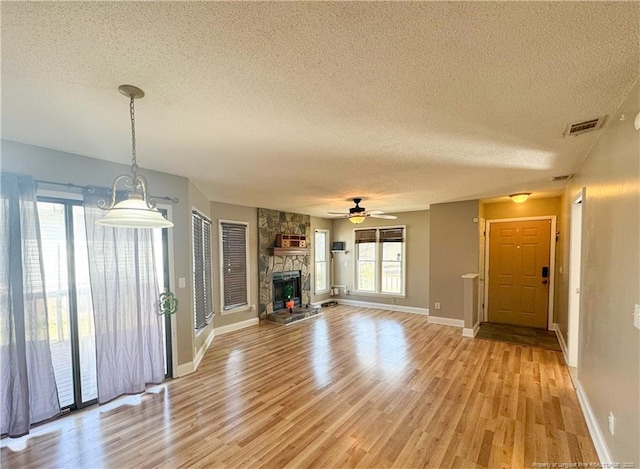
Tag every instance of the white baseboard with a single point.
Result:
(236, 326)
(386, 307)
(471, 331)
(184, 369)
(203, 349)
(563, 344)
(446, 321)
(594, 428)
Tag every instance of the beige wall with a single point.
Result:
(453, 248)
(51, 165)
(229, 212)
(417, 254)
(609, 353)
(530, 208)
(320, 224)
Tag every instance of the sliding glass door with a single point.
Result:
(66, 278)
(68, 292)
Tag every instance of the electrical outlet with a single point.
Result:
(612, 423)
(437, 305)
(636, 316)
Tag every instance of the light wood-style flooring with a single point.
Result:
(352, 388)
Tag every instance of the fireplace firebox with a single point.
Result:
(280, 280)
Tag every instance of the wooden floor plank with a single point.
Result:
(355, 387)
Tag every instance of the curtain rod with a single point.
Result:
(92, 189)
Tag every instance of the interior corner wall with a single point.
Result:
(239, 213)
(417, 258)
(62, 167)
(453, 252)
(609, 345)
(320, 224)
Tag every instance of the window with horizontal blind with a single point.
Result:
(202, 295)
(380, 264)
(234, 265)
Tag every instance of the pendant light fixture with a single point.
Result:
(137, 211)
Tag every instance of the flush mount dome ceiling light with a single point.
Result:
(520, 197)
(137, 211)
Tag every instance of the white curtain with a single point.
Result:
(129, 342)
(28, 394)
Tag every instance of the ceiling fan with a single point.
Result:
(357, 214)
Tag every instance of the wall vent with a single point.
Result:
(564, 177)
(584, 126)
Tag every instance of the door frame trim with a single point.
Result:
(552, 263)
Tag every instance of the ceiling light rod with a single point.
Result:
(137, 211)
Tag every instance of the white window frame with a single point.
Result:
(210, 314)
(243, 307)
(327, 252)
(378, 264)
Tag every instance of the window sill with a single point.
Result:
(239, 309)
(377, 295)
(321, 292)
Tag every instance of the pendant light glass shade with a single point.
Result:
(134, 213)
(137, 211)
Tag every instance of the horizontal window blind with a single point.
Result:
(365, 236)
(391, 235)
(202, 295)
(234, 265)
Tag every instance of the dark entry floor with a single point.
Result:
(519, 335)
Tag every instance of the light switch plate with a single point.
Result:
(182, 282)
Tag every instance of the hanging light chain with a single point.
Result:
(134, 163)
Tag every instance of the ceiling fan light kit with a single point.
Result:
(358, 214)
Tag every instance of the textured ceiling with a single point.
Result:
(298, 106)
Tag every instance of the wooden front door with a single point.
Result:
(519, 272)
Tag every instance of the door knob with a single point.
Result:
(544, 281)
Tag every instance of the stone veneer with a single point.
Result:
(271, 223)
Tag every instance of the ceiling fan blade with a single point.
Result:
(375, 212)
(388, 217)
(337, 213)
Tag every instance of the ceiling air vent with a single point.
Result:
(565, 177)
(585, 126)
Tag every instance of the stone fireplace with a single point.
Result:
(280, 281)
(270, 224)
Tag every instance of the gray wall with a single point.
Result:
(51, 165)
(229, 212)
(417, 254)
(453, 248)
(609, 354)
